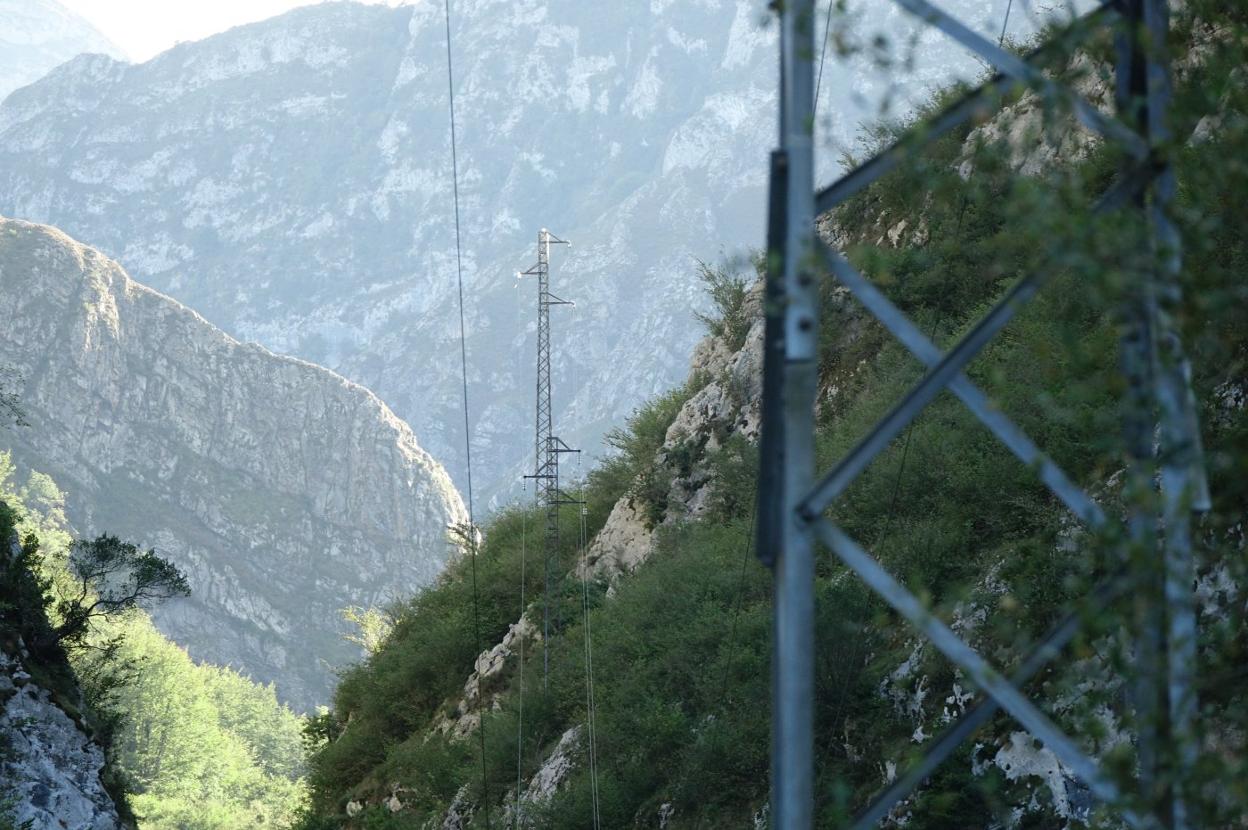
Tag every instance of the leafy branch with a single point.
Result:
(111, 577)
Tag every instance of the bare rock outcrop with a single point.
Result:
(726, 404)
(50, 771)
(284, 491)
(481, 690)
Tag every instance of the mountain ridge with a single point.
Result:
(284, 490)
(311, 152)
(39, 35)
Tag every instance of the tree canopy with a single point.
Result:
(112, 577)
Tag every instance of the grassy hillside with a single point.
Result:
(681, 648)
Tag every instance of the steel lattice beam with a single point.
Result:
(791, 504)
(977, 103)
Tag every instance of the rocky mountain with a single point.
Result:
(290, 180)
(283, 490)
(38, 35)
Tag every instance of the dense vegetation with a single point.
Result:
(190, 746)
(681, 647)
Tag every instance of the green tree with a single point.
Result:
(199, 747)
(207, 748)
(113, 577)
(727, 288)
(370, 627)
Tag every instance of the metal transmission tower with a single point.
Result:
(547, 447)
(792, 502)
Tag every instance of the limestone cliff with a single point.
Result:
(51, 770)
(284, 491)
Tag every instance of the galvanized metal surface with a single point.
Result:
(793, 743)
(1153, 362)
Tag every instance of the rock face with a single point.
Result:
(482, 690)
(284, 491)
(727, 404)
(291, 181)
(50, 768)
(38, 35)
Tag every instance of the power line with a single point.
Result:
(889, 521)
(547, 446)
(827, 30)
(736, 603)
(463, 358)
(591, 706)
(524, 534)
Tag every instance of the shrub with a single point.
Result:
(727, 289)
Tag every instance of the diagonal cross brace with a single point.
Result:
(936, 752)
(832, 485)
(942, 374)
(980, 672)
(1021, 71)
(1010, 435)
(970, 105)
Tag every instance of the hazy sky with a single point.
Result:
(144, 28)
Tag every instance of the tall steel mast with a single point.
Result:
(547, 447)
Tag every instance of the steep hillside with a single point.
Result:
(290, 181)
(39, 35)
(282, 490)
(679, 609)
(53, 770)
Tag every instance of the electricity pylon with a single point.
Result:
(547, 447)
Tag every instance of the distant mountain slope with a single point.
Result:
(291, 181)
(37, 35)
(285, 491)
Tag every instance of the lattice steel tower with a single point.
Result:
(547, 447)
(794, 499)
